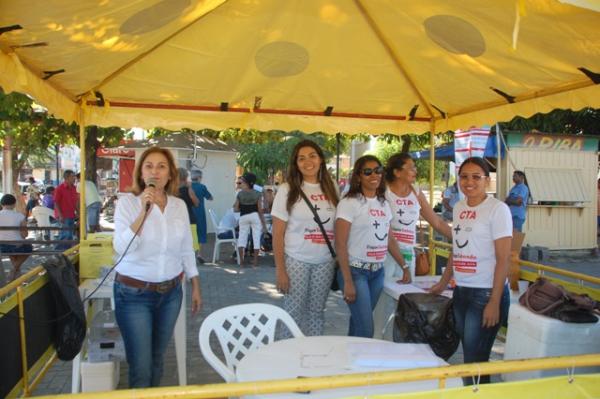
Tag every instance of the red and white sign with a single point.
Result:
(115, 153)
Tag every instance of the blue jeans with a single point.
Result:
(368, 287)
(66, 234)
(147, 320)
(476, 340)
(93, 216)
(518, 223)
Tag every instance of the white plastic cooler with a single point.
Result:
(530, 335)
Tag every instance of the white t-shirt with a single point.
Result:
(10, 218)
(91, 193)
(368, 238)
(405, 215)
(473, 234)
(303, 238)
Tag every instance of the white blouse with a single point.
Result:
(164, 247)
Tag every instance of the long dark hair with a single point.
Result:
(396, 161)
(295, 179)
(355, 190)
(522, 174)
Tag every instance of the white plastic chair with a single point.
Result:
(240, 329)
(42, 214)
(219, 241)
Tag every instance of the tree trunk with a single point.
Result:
(91, 145)
(406, 140)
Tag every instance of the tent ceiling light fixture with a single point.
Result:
(154, 17)
(281, 59)
(455, 35)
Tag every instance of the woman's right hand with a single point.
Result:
(283, 280)
(349, 292)
(148, 197)
(437, 288)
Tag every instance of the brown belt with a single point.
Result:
(161, 288)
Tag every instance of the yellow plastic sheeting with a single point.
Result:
(582, 387)
(368, 63)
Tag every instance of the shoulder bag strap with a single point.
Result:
(318, 220)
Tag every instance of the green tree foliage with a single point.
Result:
(266, 153)
(388, 145)
(585, 121)
(32, 132)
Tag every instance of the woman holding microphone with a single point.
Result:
(153, 241)
(303, 262)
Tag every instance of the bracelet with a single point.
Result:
(404, 266)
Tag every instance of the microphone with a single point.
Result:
(150, 182)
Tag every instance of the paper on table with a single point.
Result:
(318, 359)
(397, 356)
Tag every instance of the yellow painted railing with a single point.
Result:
(15, 294)
(344, 381)
(534, 270)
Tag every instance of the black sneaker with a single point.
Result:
(200, 260)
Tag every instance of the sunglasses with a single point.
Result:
(369, 171)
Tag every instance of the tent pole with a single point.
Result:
(431, 189)
(498, 160)
(337, 158)
(82, 193)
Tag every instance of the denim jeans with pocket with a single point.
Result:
(477, 341)
(368, 287)
(147, 320)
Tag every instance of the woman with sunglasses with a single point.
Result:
(363, 238)
(407, 203)
(304, 266)
(481, 240)
(247, 203)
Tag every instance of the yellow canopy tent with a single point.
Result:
(378, 66)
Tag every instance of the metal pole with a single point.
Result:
(57, 149)
(498, 161)
(82, 193)
(431, 188)
(337, 158)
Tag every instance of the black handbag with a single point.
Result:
(334, 284)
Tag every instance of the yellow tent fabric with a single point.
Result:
(377, 66)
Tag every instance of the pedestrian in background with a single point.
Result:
(248, 203)
(66, 207)
(187, 194)
(517, 200)
(93, 204)
(201, 193)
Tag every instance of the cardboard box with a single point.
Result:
(95, 252)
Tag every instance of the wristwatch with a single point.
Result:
(404, 266)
